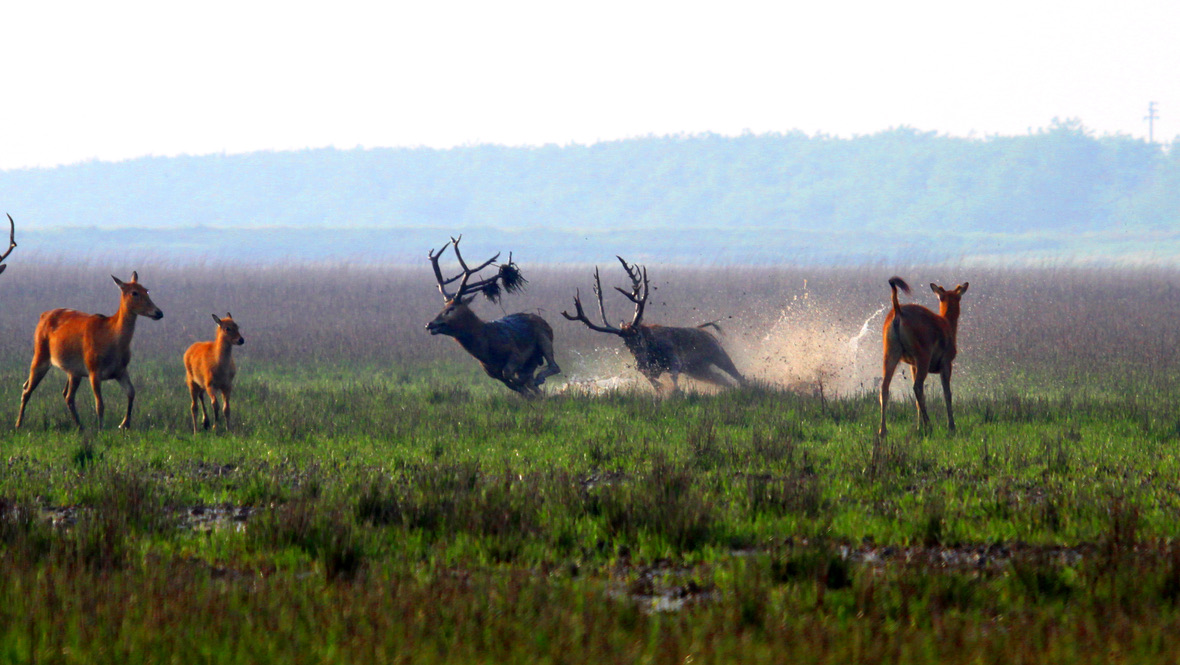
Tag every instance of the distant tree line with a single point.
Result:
(1060, 180)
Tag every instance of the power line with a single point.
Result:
(1151, 117)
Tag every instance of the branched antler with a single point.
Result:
(508, 276)
(580, 314)
(637, 295)
(11, 239)
(639, 288)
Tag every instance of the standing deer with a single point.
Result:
(209, 368)
(11, 243)
(509, 349)
(659, 349)
(925, 341)
(90, 345)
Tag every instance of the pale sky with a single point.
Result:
(116, 80)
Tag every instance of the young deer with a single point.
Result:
(509, 349)
(925, 341)
(659, 349)
(209, 368)
(89, 345)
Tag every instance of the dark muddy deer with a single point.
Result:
(661, 349)
(510, 349)
(209, 368)
(11, 243)
(89, 345)
(926, 342)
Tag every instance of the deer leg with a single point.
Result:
(225, 407)
(72, 383)
(545, 347)
(919, 371)
(96, 388)
(945, 375)
(36, 372)
(890, 366)
(216, 406)
(198, 398)
(723, 362)
(712, 375)
(125, 384)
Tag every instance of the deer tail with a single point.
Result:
(896, 283)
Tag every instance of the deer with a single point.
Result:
(509, 349)
(209, 368)
(661, 349)
(925, 341)
(11, 242)
(89, 345)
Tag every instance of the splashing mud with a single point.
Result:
(810, 346)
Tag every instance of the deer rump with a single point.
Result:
(691, 351)
(510, 337)
(919, 328)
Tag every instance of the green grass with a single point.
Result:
(429, 515)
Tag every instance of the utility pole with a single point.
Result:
(1151, 117)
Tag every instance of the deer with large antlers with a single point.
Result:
(510, 349)
(661, 349)
(89, 345)
(925, 341)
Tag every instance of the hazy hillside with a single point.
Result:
(902, 194)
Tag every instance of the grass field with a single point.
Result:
(383, 501)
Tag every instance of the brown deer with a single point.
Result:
(90, 345)
(661, 349)
(11, 243)
(209, 368)
(925, 341)
(510, 349)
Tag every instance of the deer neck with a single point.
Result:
(123, 324)
(225, 346)
(468, 330)
(950, 312)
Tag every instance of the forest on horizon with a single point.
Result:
(1056, 194)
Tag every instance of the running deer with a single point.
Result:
(11, 243)
(659, 349)
(925, 341)
(510, 349)
(89, 345)
(209, 368)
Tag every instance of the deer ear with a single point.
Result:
(134, 276)
(117, 281)
(228, 315)
(962, 288)
(936, 288)
(217, 319)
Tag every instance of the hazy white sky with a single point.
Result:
(113, 80)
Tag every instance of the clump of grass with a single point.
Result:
(666, 502)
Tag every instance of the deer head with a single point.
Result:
(948, 301)
(136, 299)
(228, 330)
(456, 314)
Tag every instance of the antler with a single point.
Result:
(508, 275)
(580, 314)
(11, 238)
(639, 288)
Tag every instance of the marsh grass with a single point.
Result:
(375, 472)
